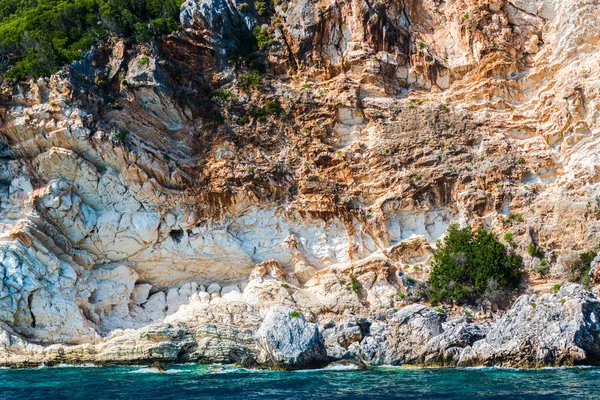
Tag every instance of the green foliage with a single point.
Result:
(250, 80)
(262, 36)
(285, 285)
(243, 120)
(401, 295)
(508, 237)
(467, 263)
(533, 250)
(272, 107)
(262, 7)
(542, 270)
(464, 17)
(37, 37)
(223, 94)
(120, 135)
(512, 218)
(143, 61)
(244, 7)
(579, 270)
(556, 287)
(258, 113)
(354, 286)
(295, 314)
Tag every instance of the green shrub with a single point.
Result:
(223, 94)
(250, 80)
(532, 249)
(556, 287)
(508, 236)
(295, 314)
(244, 8)
(354, 286)
(259, 113)
(579, 270)
(467, 263)
(243, 120)
(401, 295)
(262, 7)
(262, 36)
(272, 107)
(513, 218)
(464, 17)
(542, 270)
(143, 61)
(120, 135)
(285, 285)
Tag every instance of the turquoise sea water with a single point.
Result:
(218, 382)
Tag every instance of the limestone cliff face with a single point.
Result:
(163, 183)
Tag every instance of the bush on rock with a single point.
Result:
(469, 266)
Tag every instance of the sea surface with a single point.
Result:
(224, 382)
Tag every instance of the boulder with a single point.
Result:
(288, 341)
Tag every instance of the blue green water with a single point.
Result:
(217, 382)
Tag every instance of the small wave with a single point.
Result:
(571, 367)
(347, 367)
(86, 365)
(150, 370)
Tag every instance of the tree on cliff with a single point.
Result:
(468, 265)
(37, 37)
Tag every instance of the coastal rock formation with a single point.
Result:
(286, 339)
(160, 201)
(560, 329)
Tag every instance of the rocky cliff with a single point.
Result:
(163, 201)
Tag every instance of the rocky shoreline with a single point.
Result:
(560, 329)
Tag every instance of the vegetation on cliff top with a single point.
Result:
(472, 265)
(38, 36)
